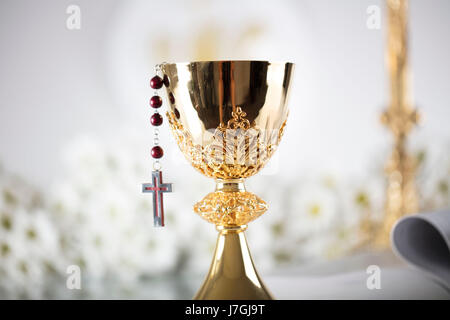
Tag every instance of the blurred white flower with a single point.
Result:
(434, 178)
(362, 199)
(106, 221)
(195, 237)
(327, 246)
(314, 208)
(29, 250)
(266, 233)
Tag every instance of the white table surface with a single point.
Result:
(346, 279)
(339, 279)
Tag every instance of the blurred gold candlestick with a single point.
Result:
(400, 117)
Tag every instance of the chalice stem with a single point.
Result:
(232, 274)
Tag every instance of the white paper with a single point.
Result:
(423, 240)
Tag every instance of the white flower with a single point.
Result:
(269, 232)
(323, 246)
(29, 249)
(314, 209)
(362, 199)
(196, 238)
(105, 219)
(434, 179)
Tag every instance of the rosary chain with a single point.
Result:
(156, 162)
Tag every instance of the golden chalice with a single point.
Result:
(228, 118)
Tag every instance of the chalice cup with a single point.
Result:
(228, 118)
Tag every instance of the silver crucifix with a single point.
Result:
(157, 187)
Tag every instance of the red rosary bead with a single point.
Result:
(157, 152)
(177, 113)
(156, 102)
(166, 81)
(156, 82)
(156, 119)
(171, 98)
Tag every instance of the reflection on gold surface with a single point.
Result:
(232, 273)
(207, 93)
(228, 118)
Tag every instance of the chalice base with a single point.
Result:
(232, 275)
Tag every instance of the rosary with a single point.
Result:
(157, 187)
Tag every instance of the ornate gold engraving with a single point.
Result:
(234, 151)
(230, 208)
(238, 120)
